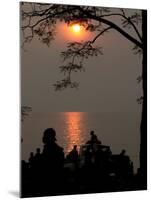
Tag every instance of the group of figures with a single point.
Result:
(92, 169)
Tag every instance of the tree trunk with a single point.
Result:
(143, 127)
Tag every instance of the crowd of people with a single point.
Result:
(93, 169)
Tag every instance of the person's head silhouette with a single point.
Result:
(75, 147)
(92, 133)
(31, 154)
(123, 152)
(49, 136)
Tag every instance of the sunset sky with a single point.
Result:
(108, 85)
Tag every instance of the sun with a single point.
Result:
(76, 28)
(74, 31)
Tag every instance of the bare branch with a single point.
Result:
(114, 26)
(128, 20)
(101, 33)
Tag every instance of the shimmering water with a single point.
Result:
(117, 130)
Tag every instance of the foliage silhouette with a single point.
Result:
(25, 110)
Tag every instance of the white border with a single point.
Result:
(9, 98)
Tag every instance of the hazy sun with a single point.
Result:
(76, 28)
(74, 31)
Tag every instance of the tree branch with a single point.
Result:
(116, 27)
(101, 33)
(128, 20)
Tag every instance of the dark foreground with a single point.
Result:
(94, 170)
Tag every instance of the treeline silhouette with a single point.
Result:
(93, 169)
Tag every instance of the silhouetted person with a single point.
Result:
(32, 166)
(38, 162)
(45, 174)
(52, 158)
(93, 139)
(93, 142)
(131, 169)
(123, 152)
(49, 136)
(31, 160)
(51, 149)
(124, 164)
(88, 155)
(37, 155)
(73, 155)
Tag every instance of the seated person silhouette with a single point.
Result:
(93, 139)
(123, 152)
(94, 144)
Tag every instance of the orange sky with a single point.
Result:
(69, 33)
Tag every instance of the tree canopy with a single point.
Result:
(40, 20)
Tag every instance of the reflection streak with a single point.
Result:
(74, 128)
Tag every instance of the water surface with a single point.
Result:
(117, 130)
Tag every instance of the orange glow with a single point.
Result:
(74, 137)
(74, 32)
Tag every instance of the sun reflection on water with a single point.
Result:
(74, 128)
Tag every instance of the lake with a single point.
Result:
(117, 130)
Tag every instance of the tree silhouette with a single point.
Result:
(41, 20)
